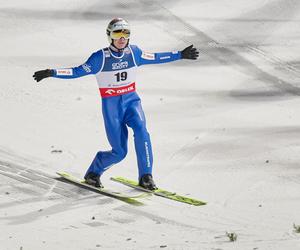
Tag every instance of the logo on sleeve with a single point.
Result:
(64, 72)
(165, 57)
(87, 68)
(148, 56)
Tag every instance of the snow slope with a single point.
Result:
(225, 129)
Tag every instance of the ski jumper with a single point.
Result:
(121, 106)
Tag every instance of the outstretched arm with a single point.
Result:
(91, 66)
(142, 57)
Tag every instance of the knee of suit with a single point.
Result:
(115, 155)
(119, 155)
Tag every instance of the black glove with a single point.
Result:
(39, 75)
(189, 53)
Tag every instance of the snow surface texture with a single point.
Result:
(225, 129)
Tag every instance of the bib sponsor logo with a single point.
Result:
(110, 91)
(119, 65)
(148, 56)
(119, 91)
(125, 90)
(107, 54)
(127, 51)
(64, 72)
(106, 92)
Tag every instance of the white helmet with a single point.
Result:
(117, 24)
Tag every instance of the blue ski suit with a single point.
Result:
(121, 106)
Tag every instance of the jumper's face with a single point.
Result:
(120, 38)
(120, 43)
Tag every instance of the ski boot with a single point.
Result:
(147, 182)
(94, 180)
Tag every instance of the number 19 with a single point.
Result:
(121, 76)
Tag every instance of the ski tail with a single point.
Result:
(117, 195)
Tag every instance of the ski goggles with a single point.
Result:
(117, 34)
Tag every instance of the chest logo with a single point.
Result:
(119, 65)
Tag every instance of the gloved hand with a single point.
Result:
(39, 75)
(189, 53)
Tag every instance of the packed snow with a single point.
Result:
(225, 129)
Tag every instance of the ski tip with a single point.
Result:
(160, 192)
